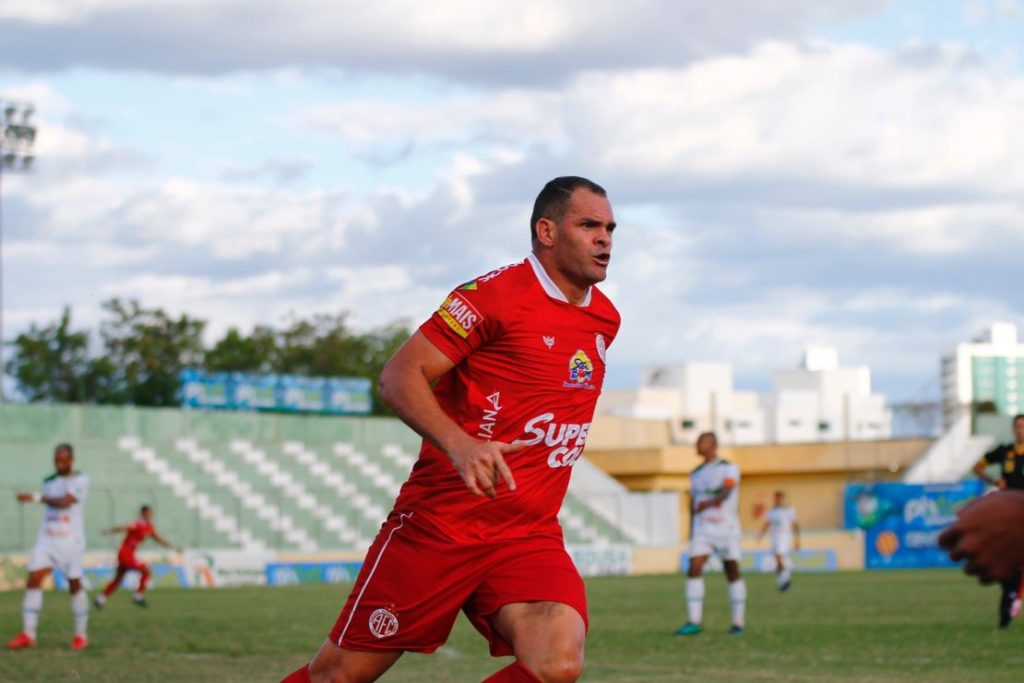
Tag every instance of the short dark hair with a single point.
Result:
(553, 200)
(1018, 416)
(65, 447)
(710, 435)
(145, 509)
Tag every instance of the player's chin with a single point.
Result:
(597, 272)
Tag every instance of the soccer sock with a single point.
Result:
(784, 576)
(30, 606)
(138, 595)
(143, 582)
(101, 599)
(80, 611)
(738, 600)
(513, 673)
(300, 675)
(695, 600)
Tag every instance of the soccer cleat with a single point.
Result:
(140, 602)
(785, 587)
(736, 630)
(79, 643)
(22, 640)
(689, 629)
(96, 602)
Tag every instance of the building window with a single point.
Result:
(795, 423)
(688, 424)
(823, 426)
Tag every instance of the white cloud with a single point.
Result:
(479, 40)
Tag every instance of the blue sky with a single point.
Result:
(785, 173)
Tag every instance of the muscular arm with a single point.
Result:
(163, 541)
(64, 501)
(405, 386)
(718, 499)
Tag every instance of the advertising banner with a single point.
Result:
(223, 568)
(295, 573)
(281, 393)
(902, 522)
(161, 576)
(764, 561)
(601, 560)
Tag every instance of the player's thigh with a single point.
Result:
(333, 664)
(37, 576)
(547, 637)
(696, 566)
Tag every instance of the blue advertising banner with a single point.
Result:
(294, 573)
(281, 393)
(902, 522)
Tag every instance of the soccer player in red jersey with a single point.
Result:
(134, 534)
(501, 382)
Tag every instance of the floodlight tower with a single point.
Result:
(16, 155)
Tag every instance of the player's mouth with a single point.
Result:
(603, 259)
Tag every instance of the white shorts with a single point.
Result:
(782, 546)
(724, 544)
(65, 554)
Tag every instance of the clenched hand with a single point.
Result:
(989, 534)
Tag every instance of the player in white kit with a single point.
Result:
(60, 545)
(716, 529)
(784, 531)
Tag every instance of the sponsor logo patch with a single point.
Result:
(602, 347)
(581, 371)
(460, 315)
(383, 623)
(468, 286)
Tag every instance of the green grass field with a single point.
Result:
(879, 626)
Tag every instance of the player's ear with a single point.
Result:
(546, 231)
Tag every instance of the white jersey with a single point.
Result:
(780, 524)
(65, 523)
(707, 481)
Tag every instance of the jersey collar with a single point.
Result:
(549, 285)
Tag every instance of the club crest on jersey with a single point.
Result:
(383, 623)
(548, 341)
(601, 346)
(459, 314)
(581, 371)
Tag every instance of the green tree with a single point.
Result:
(53, 363)
(236, 352)
(147, 348)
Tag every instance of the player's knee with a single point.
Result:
(564, 668)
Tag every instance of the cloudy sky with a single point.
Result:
(846, 172)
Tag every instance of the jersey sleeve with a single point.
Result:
(79, 487)
(464, 321)
(732, 475)
(996, 455)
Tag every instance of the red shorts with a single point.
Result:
(130, 563)
(413, 584)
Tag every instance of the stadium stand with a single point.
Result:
(255, 481)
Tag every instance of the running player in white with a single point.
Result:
(716, 529)
(785, 536)
(61, 545)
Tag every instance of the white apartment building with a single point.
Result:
(988, 370)
(819, 401)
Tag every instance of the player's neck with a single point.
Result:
(574, 293)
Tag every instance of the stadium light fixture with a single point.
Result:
(16, 155)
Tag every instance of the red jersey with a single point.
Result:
(529, 367)
(138, 531)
